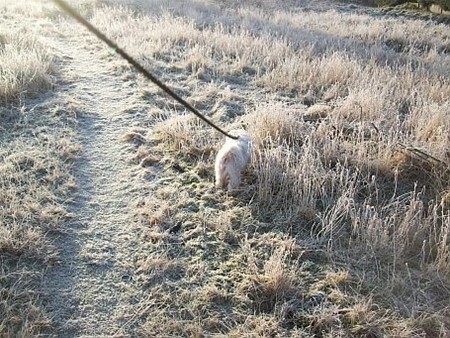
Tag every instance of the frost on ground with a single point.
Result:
(111, 224)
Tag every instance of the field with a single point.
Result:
(110, 224)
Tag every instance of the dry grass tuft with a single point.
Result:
(133, 136)
(25, 65)
(184, 134)
(274, 285)
(275, 123)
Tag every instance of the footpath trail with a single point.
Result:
(89, 291)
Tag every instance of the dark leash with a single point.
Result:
(72, 12)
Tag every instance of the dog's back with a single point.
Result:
(232, 159)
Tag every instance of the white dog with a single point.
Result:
(232, 159)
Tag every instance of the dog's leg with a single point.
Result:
(220, 179)
(235, 178)
(221, 170)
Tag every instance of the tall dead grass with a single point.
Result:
(25, 66)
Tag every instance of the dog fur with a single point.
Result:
(232, 159)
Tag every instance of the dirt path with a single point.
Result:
(88, 289)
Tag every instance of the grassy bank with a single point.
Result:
(36, 152)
